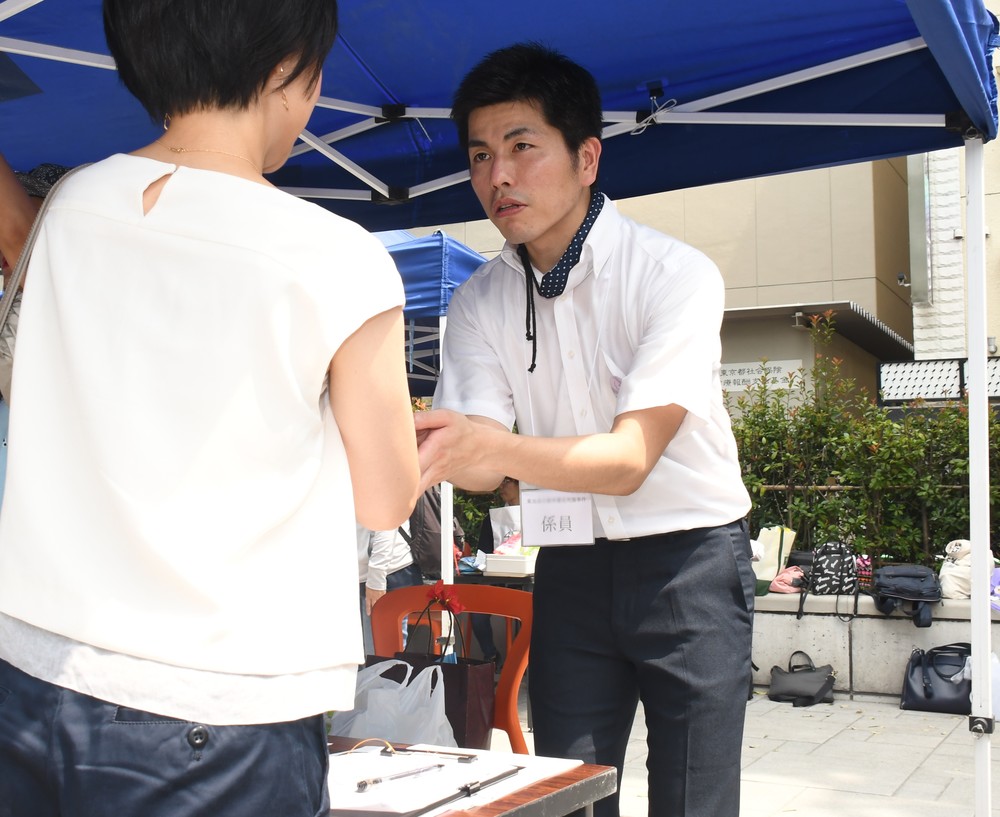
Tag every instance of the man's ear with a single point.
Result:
(588, 158)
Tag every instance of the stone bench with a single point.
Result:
(869, 652)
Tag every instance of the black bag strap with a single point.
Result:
(798, 667)
(821, 693)
(460, 649)
(957, 649)
(849, 615)
(886, 604)
(925, 674)
(803, 592)
(963, 648)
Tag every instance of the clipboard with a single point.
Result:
(407, 785)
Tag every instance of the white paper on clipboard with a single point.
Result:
(408, 794)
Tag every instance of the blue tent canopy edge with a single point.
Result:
(389, 79)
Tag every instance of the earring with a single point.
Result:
(166, 121)
(284, 99)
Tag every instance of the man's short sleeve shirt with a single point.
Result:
(637, 327)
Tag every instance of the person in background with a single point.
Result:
(422, 533)
(617, 398)
(21, 196)
(384, 563)
(510, 494)
(209, 396)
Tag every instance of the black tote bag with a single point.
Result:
(928, 684)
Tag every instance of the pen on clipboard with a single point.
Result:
(476, 786)
(461, 757)
(469, 789)
(368, 782)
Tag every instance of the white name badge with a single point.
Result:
(556, 518)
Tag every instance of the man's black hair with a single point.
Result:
(176, 56)
(566, 93)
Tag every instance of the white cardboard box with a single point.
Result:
(509, 565)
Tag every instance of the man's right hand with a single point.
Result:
(452, 448)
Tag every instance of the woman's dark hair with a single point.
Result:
(565, 92)
(176, 56)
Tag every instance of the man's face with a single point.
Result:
(531, 187)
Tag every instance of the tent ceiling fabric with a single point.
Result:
(388, 83)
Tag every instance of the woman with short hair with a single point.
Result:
(210, 391)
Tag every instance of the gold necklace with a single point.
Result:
(210, 150)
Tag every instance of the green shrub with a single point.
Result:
(820, 456)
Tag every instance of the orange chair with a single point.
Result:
(387, 629)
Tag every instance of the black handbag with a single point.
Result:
(803, 684)
(927, 684)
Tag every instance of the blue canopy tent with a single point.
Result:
(694, 93)
(431, 268)
(739, 90)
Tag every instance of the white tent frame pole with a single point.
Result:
(675, 116)
(11, 7)
(57, 54)
(806, 75)
(979, 472)
(349, 165)
(447, 532)
(447, 505)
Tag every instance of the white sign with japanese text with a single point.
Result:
(556, 518)
(737, 376)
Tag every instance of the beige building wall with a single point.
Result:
(992, 185)
(836, 234)
(821, 235)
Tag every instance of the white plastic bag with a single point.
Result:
(407, 712)
(956, 570)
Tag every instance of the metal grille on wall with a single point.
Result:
(909, 380)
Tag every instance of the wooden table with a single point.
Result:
(561, 794)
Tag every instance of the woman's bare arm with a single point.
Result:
(371, 402)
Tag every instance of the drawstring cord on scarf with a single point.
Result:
(530, 325)
(554, 281)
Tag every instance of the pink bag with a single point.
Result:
(789, 580)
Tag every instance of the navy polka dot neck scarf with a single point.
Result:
(553, 282)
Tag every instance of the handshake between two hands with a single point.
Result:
(448, 444)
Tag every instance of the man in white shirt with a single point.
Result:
(615, 391)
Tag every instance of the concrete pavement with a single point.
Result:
(863, 757)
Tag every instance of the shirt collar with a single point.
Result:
(596, 248)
